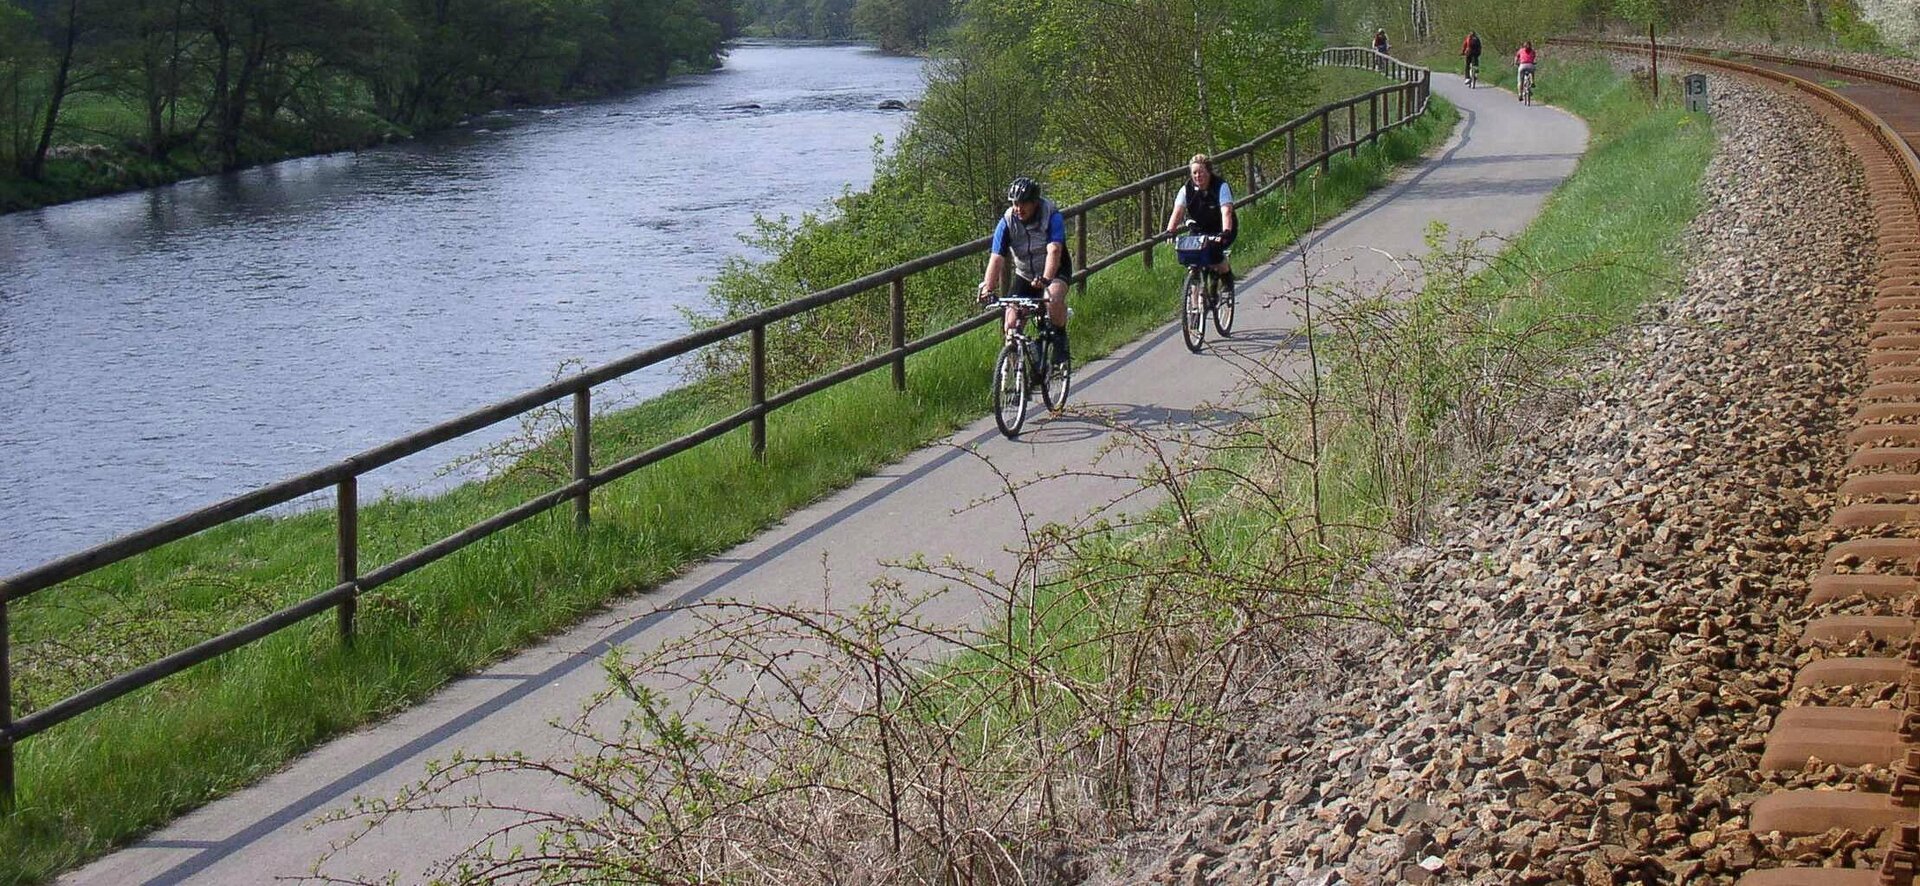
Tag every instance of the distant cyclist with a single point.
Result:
(1470, 48)
(1034, 233)
(1380, 42)
(1525, 60)
(1209, 202)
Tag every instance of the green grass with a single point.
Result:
(103, 779)
(1627, 206)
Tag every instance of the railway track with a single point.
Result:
(1870, 576)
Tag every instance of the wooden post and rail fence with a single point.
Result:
(1388, 108)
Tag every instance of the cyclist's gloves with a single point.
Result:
(1226, 237)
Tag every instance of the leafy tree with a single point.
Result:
(902, 25)
(20, 59)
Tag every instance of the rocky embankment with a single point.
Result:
(1601, 634)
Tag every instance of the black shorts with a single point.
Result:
(1024, 288)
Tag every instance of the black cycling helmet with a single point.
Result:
(1022, 190)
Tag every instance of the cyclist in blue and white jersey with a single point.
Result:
(1034, 234)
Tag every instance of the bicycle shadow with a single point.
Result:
(1088, 421)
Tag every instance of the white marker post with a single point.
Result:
(1696, 90)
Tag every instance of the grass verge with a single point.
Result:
(104, 778)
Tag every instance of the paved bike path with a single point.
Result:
(1494, 175)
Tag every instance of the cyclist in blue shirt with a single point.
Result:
(1034, 234)
(1207, 200)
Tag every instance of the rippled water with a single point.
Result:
(170, 348)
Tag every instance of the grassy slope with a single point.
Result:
(103, 779)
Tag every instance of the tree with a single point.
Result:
(21, 54)
(66, 26)
(902, 25)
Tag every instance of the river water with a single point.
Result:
(166, 349)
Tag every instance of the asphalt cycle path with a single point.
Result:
(1492, 176)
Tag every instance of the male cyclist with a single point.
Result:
(1209, 202)
(1034, 233)
(1525, 60)
(1470, 48)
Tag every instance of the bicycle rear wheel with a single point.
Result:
(1010, 390)
(1056, 375)
(1223, 309)
(1193, 310)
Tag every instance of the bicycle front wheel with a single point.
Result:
(1057, 376)
(1193, 310)
(1010, 390)
(1223, 311)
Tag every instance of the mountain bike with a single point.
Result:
(1027, 363)
(1473, 74)
(1526, 87)
(1201, 293)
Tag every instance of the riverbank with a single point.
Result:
(79, 170)
(210, 730)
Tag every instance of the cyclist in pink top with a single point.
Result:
(1524, 60)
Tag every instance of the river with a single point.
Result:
(166, 349)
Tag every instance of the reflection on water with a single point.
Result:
(173, 347)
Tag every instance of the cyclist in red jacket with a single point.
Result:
(1525, 60)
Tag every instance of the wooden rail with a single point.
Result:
(1388, 108)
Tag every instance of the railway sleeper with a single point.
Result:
(1888, 413)
(1897, 868)
(1898, 458)
(1863, 516)
(1808, 811)
(1883, 357)
(1894, 341)
(1870, 488)
(1842, 629)
(1885, 434)
(1901, 553)
(1870, 586)
(1851, 671)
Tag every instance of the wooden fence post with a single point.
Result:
(1293, 156)
(1326, 142)
(583, 455)
(897, 295)
(1373, 118)
(1353, 130)
(1146, 226)
(347, 549)
(6, 709)
(1653, 51)
(1080, 246)
(757, 390)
